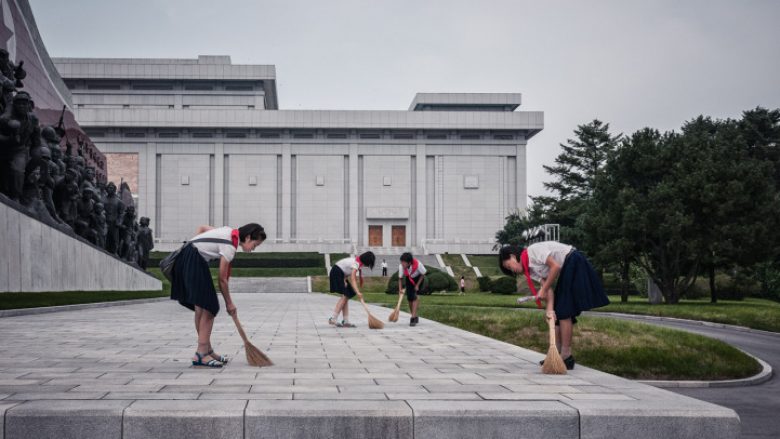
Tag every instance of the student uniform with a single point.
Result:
(192, 284)
(578, 286)
(341, 271)
(413, 276)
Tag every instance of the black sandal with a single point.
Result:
(222, 359)
(211, 363)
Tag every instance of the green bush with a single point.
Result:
(392, 284)
(260, 260)
(504, 285)
(441, 281)
(437, 281)
(485, 284)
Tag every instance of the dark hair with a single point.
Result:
(505, 253)
(253, 230)
(368, 259)
(407, 257)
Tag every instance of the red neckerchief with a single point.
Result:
(360, 270)
(527, 271)
(415, 264)
(234, 239)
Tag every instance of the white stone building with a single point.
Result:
(202, 141)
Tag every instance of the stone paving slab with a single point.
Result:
(123, 372)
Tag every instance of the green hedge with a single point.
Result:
(261, 260)
(504, 285)
(498, 285)
(437, 280)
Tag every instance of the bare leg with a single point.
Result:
(198, 315)
(413, 307)
(566, 330)
(205, 325)
(345, 309)
(339, 305)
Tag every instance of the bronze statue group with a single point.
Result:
(63, 188)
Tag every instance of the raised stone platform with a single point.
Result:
(123, 372)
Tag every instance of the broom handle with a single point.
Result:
(400, 299)
(551, 325)
(365, 306)
(240, 329)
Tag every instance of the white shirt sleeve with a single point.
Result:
(421, 268)
(227, 251)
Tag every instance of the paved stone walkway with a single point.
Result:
(125, 372)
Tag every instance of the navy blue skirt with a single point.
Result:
(338, 284)
(578, 289)
(192, 284)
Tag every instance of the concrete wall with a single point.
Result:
(37, 257)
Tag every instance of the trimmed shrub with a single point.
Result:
(437, 281)
(392, 284)
(485, 284)
(504, 285)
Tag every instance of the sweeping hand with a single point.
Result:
(360, 295)
(551, 315)
(231, 309)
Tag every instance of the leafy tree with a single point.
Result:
(575, 174)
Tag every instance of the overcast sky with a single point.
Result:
(630, 63)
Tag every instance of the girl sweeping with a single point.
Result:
(578, 287)
(344, 280)
(411, 276)
(193, 288)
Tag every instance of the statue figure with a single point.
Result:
(48, 183)
(115, 211)
(126, 232)
(84, 207)
(99, 224)
(66, 193)
(14, 72)
(88, 179)
(31, 195)
(145, 242)
(7, 90)
(16, 131)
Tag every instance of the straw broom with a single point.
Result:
(254, 356)
(373, 322)
(553, 363)
(397, 311)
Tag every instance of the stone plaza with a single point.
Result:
(124, 372)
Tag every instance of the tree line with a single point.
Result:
(679, 204)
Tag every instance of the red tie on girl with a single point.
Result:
(527, 272)
(234, 239)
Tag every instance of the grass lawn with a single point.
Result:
(750, 312)
(488, 265)
(627, 349)
(57, 298)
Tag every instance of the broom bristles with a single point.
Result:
(374, 323)
(255, 357)
(553, 363)
(393, 316)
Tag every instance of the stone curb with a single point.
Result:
(80, 306)
(759, 378)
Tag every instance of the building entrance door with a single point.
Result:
(399, 236)
(375, 236)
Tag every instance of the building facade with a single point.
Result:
(202, 141)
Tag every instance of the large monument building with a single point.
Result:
(203, 141)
